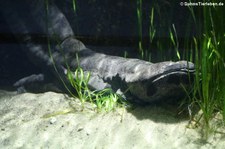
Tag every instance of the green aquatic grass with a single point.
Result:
(160, 45)
(152, 30)
(209, 86)
(105, 100)
(79, 81)
(74, 6)
(209, 82)
(174, 40)
(207, 51)
(139, 18)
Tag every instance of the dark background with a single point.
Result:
(108, 26)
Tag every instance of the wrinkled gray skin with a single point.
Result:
(145, 81)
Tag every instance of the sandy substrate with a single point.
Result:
(51, 120)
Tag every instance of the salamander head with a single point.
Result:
(167, 84)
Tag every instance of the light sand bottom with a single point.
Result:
(49, 121)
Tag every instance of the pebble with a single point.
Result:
(80, 129)
(52, 120)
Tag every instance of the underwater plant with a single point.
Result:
(209, 88)
(206, 50)
(105, 100)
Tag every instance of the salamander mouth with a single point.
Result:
(179, 70)
(174, 77)
(167, 85)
